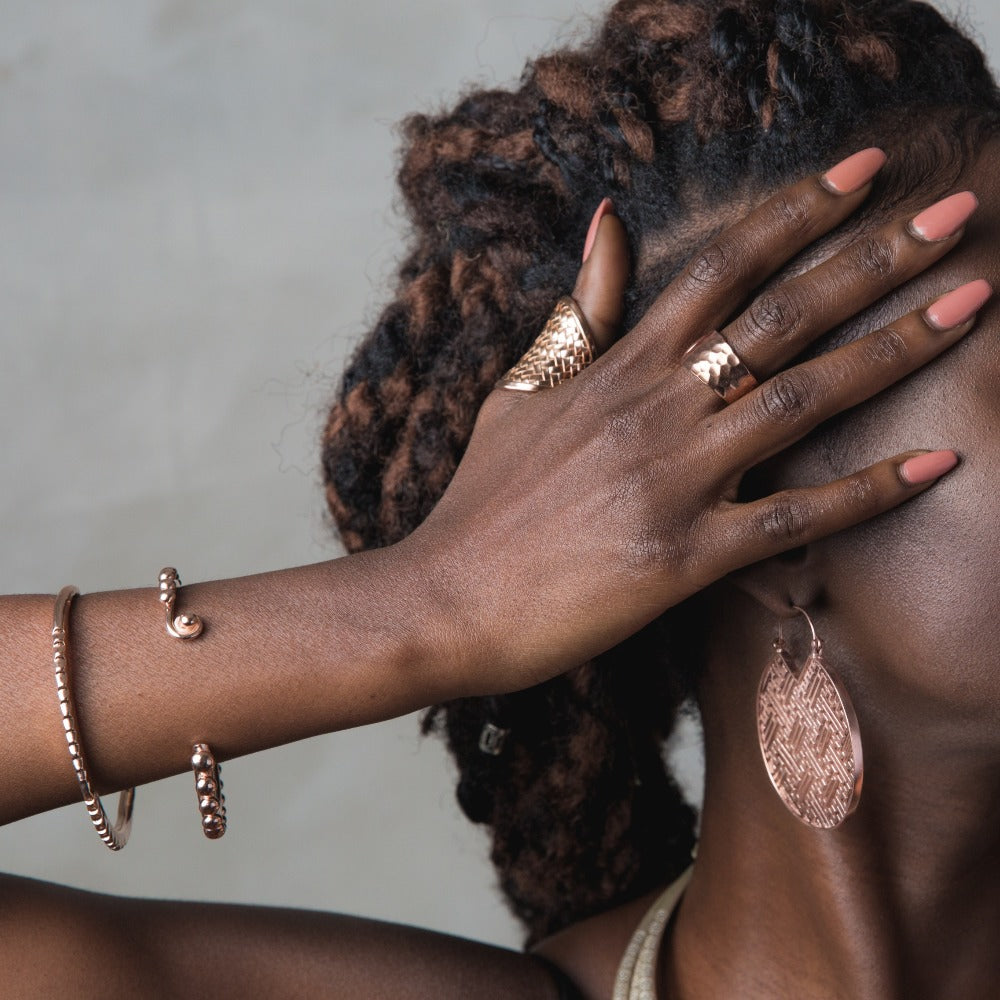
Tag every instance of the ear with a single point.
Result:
(782, 581)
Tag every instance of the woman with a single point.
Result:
(588, 826)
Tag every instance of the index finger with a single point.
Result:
(717, 280)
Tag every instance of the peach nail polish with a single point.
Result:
(605, 207)
(926, 468)
(958, 306)
(943, 219)
(855, 172)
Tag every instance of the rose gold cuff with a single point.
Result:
(116, 837)
(207, 782)
(179, 626)
(715, 362)
(208, 785)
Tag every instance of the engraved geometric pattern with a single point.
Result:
(563, 349)
(809, 740)
(715, 362)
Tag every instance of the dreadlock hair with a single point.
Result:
(670, 107)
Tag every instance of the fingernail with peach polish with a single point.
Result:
(926, 468)
(944, 218)
(958, 306)
(855, 172)
(606, 207)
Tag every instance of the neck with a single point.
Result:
(902, 900)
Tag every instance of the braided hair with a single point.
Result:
(671, 107)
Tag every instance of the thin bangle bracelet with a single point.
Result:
(116, 837)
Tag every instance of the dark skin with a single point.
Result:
(904, 900)
(321, 648)
(901, 901)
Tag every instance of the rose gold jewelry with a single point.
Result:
(561, 351)
(207, 781)
(116, 837)
(208, 785)
(715, 362)
(809, 737)
(179, 626)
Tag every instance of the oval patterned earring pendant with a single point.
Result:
(809, 736)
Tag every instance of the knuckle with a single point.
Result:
(860, 495)
(774, 316)
(785, 519)
(886, 347)
(785, 397)
(710, 265)
(874, 257)
(792, 211)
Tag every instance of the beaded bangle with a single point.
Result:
(207, 781)
(187, 626)
(208, 785)
(116, 837)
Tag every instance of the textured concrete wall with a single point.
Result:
(195, 202)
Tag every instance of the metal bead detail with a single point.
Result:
(208, 785)
(180, 626)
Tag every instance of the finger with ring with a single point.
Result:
(560, 352)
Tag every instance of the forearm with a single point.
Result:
(284, 656)
(150, 949)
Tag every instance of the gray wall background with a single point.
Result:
(196, 210)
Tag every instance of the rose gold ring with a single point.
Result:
(561, 351)
(116, 837)
(715, 362)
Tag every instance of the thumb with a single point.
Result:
(600, 285)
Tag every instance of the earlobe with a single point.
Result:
(780, 582)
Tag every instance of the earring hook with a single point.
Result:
(817, 643)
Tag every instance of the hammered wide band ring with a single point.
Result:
(715, 362)
(561, 351)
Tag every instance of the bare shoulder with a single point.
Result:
(59, 942)
(589, 952)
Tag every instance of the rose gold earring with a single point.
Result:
(808, 735)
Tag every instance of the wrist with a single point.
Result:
(438, 630)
